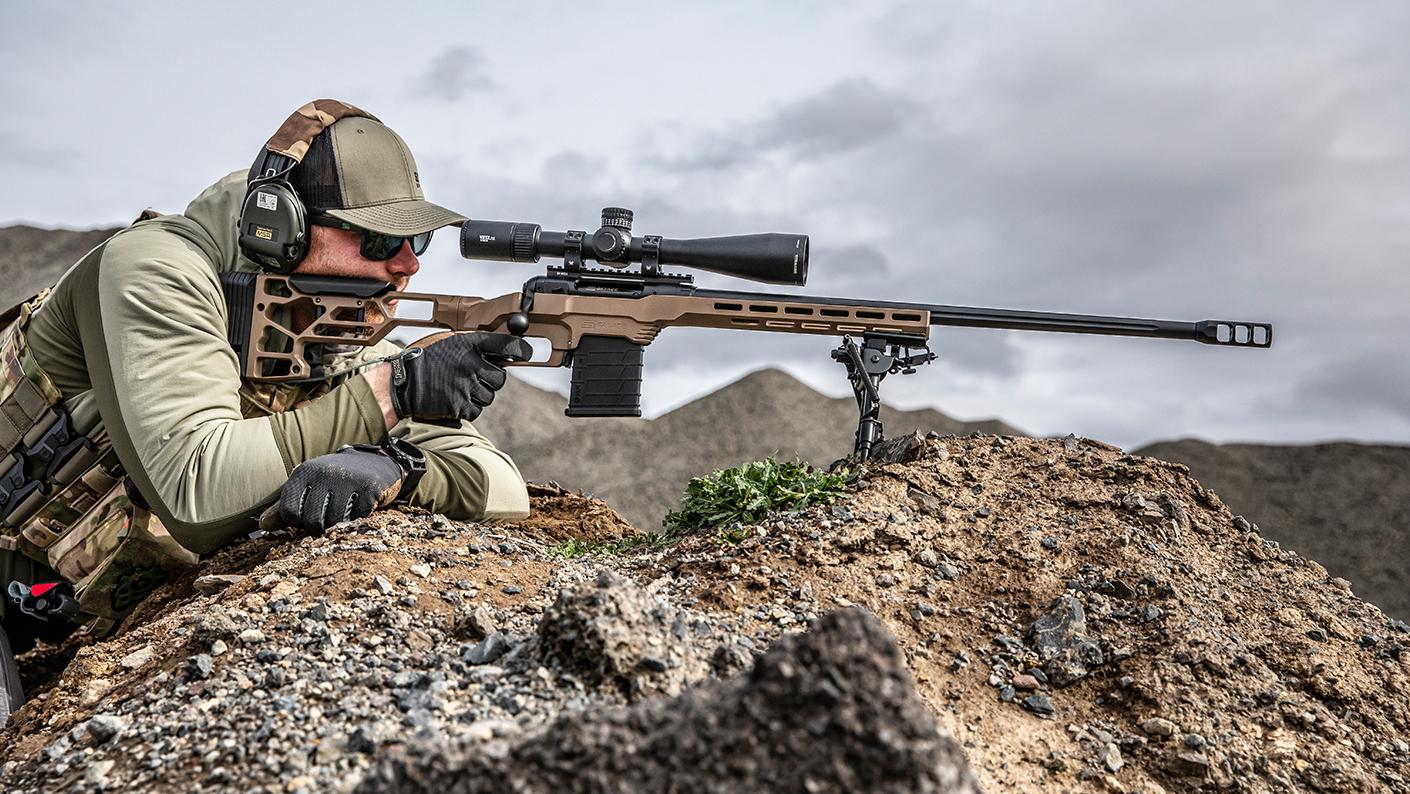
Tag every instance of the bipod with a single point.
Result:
(867, 364)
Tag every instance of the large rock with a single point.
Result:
(609, 632)
(833, 710)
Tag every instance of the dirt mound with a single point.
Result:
(1343, 505)
(1080, 619)
(836, 704)
(1202, 654)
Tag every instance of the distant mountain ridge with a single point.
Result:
(32, 259)
(642, 467)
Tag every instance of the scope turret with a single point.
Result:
(771, 258)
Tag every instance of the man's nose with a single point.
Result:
(405, 262)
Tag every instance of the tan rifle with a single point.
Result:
(599, 320)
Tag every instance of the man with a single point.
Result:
(130, 350)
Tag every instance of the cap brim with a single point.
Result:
(403, 218)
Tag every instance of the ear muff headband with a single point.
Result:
(273, 224)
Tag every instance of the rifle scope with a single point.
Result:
(770, 258)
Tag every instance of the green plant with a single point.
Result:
(576, 547)
(747, 494)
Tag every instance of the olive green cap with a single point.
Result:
(361, 172)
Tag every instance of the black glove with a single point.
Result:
(348, 484)
(452, 376)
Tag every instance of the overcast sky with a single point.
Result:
(1244, 161)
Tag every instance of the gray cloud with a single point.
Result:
(455, 73)
(847, 115)
(1371, 380)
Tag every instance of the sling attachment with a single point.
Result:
(34, 470)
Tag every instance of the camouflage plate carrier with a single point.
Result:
(64, 500)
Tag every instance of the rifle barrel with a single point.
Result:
(1210, 332)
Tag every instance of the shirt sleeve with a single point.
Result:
(466, 476)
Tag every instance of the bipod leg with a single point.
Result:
(865, 377)
(867, 364)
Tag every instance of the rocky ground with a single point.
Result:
(1076, 618)
(1341, 504)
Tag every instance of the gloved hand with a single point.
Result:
(451, 376)
(347, 484)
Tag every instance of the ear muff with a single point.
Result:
(273, 223)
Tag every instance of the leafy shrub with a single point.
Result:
(747, 494)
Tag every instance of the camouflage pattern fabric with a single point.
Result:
(25, 390)
(298, 131)
(135, 555)
(267, 399)
(72, 502)
(87, 529)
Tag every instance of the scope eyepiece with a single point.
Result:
(770, 258)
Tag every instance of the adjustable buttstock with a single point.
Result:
(606, 377)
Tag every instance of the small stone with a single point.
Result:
(513, 589)
(1187, 764)
(418, 641)
(1317, 633)
(947, 571)
(1025, 682)
(105, 727)
(215, 583)
(1009, 644)
(1110, 756)
(885, 580)
(1040, 705)
(97, 772)
(383, 584)
(422, 570)
(928, 558)
(480, 623)
(1049, 542)
(251, 636)
(1006, 694)
(1194, 741)
(219, 647)
(94, 691)
(486, 651)
(1157, 726)
(197, 667)
(137, 658)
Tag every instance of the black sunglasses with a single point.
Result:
(376, 246)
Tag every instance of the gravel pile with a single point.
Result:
(300, 672)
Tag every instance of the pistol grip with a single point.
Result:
(606, 377)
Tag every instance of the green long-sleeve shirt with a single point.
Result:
(134, 336)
